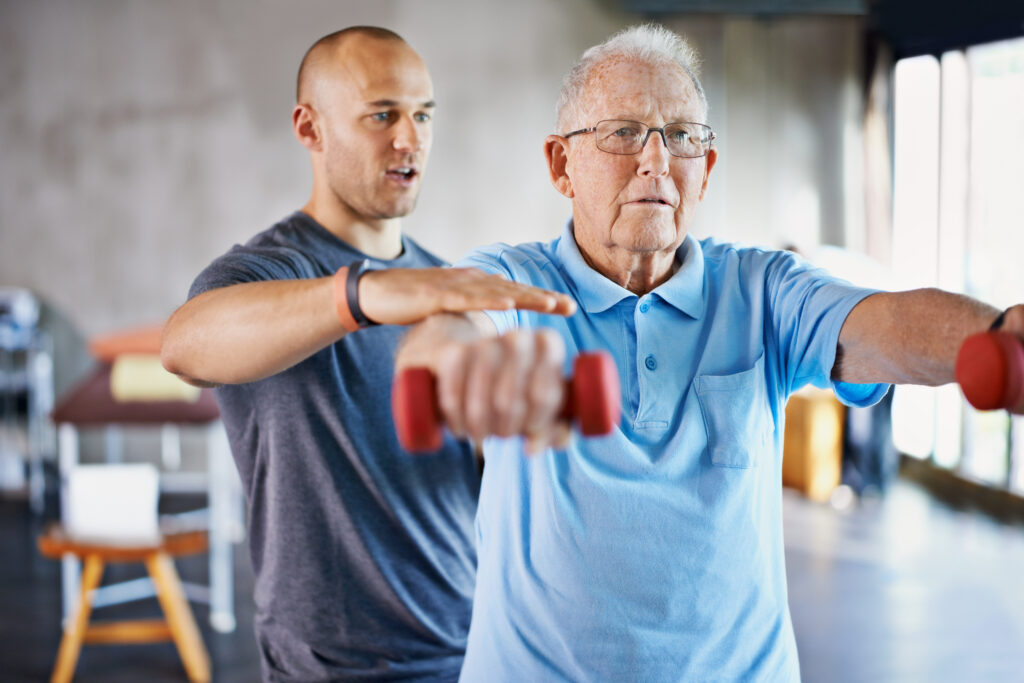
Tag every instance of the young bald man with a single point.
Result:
(364, 556)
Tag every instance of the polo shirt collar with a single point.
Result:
(685, 289)
(596, 293)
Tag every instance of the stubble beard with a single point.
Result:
(402, 206)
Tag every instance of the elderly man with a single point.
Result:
(364, 558)
(654, 553)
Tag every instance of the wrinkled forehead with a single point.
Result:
(654, 92)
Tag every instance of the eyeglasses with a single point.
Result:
(683, 139)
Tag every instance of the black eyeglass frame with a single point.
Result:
(661, 131)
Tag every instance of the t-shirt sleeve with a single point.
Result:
(807, 308)
(253, 264)
(489, 259)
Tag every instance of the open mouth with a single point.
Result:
(403, 174)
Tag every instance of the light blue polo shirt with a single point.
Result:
(656, 553)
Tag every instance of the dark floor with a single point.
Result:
(30, 612)
(895, 589)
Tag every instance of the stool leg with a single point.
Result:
(71, 641)
(179, 617)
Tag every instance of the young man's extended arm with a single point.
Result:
(913, 337)
(245, 332)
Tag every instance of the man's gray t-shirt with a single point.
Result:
(363, 554)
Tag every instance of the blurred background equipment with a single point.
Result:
(166, 406)
(26, 395)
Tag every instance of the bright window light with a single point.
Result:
(915, 225)
(957, 206)
(994, 234)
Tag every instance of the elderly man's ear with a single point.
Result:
(556, 151)
(710, 159)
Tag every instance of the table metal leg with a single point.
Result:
(70, 566)
(222, 499)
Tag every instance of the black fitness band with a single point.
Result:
(998, 322)
(352, 293)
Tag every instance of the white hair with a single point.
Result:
(651, 43)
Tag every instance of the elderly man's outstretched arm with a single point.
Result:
(913, 337)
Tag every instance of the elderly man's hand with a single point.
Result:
(504, 386)
(402, 296)
(1013, 322)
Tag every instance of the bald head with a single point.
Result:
(364, 112)
(320, 56)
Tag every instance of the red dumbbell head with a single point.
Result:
(415, 411)
(990, 370)
(594, 394)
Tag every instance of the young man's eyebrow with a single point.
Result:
(429, 104)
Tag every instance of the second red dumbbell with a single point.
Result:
(990, 370)
(591, 400)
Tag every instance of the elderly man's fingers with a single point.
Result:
(488, 356)
(504, 386)
(509, 397)
(534, 444)
(557, 437)
(451, 386)
(561, 435)
(545, 385)
(1012, 321)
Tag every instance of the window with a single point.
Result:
(957, 208)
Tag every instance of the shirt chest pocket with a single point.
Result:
(736, 415)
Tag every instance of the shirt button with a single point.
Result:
(644, 307)
(651, 362)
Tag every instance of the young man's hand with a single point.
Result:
(401, 296)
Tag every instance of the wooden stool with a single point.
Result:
(179, 624)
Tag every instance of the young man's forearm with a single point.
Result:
(249, 331)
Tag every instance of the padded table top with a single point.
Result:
(90, 403)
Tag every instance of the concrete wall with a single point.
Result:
(141, 139)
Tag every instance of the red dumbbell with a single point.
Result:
(591, 398)
(990, 370)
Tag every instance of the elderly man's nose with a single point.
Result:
(654, 157)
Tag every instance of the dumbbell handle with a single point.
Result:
(990, 370)
(591, 399)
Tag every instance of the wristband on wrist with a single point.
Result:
(346, 296)
(998, 322)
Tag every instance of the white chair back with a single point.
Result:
(114, 504)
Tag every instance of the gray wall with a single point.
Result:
(141, 139)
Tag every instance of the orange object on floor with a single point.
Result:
(178, 624)
(813, 446)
